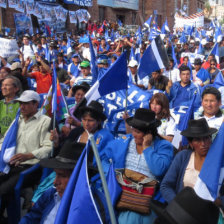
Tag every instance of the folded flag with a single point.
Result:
(9, 145)
(154, 58)
(212, 172)
(215, 52)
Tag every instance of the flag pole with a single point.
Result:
(126, 101)
(54, 125)
(103, 179)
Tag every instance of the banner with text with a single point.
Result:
(8, 47)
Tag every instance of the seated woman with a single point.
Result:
(71, 122)
(159, 103)
(143, 157)
(187, 164)
(213, 70)
(92, 117)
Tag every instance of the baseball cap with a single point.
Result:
(28, 96)
(132, 63)
(15, 65)
(85, 64)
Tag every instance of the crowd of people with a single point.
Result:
(152, 173)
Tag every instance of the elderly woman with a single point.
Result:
(187, 164)
(144, 158)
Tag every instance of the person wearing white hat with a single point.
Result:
(133, 75)
(32, 143)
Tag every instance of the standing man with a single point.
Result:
(181, 93)
(28, 49)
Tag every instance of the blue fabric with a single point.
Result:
(40, 209)
(190, 92)
(158, 158)
(181, 96)
(203, 75)
(129, 217)
(172, 182)
(74, 70)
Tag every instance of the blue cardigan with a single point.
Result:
(173, 181)
(158, 158)
(41, 208)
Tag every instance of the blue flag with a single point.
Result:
(148, 22)
(83, 208)
(54, 90)
(9, 145)
(211, 175)
(154, 58)
(63, 210)
(174, 57)
(109, 83)
(183, 123)
(215, 52)
(219, 80)
(93, 62)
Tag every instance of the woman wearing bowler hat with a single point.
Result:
(140, 159)
(187, 164)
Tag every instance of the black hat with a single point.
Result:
(198, 128)
(67, 157)
(143, 119)
(94, 107)
(187, 208)
(84, 85)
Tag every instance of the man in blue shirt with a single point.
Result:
(181, 93)
(45, 209)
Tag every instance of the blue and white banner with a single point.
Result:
(30, 7)
(128, 4)
(12, 4)
(83, 15)
(3, 4)
(21, 6)
(87, 3)
(63, 14)
(38, 12)
(114, 105)
(73, 17)
(23, 23)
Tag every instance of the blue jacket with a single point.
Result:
(191, 90)
(173, 181)
(158, 158)
(41, 208)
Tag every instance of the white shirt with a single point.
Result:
(27, 51)
(167, 127)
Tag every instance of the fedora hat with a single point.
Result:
(143, 120)
(198, 128)
(94, 107)
(187, 208)
(84, 85)
(67, 157)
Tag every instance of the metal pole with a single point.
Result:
(54, 125)
(126, 100)
(103, 179)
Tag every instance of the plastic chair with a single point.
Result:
(14, 207)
